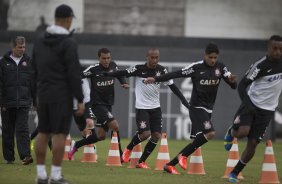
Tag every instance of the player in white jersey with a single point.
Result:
(148, 111)
(259, 91)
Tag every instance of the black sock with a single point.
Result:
(174, 161)
(88, 140)
(190, 148)
(150, 146)
(239, 167)
(119, 145)
(134, 141)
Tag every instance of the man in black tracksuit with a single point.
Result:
(16, 92)
(57, 72)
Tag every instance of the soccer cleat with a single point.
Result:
(41, 181)
(126, 155)
(232, 178)
(182, 160)
(170, 169)
(228, 139)
(72, 152)
(60, 181)
(27, 160)
(142, 165)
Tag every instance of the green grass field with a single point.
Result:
(214, 156)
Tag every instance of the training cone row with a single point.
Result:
(114, 155)
(67, 147)
(233, 158)
(196, 165)
(135, 156)
(269, 170)
(163, 154)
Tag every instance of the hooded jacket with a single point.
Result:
(16, 82)
(57, 67)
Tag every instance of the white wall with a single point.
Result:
(256, 19)
(24, 14)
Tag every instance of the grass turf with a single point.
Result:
(214, 156)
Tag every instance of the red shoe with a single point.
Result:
(182, 160)
(72, 152)
(142, 165)
(126, 155)
(170, 169)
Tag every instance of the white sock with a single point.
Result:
(41, 172)
(56, 172)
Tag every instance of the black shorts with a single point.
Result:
(55, 117)
(104, 115)
(149, 119)
(201, 121)
(81, 120)
(258, 119)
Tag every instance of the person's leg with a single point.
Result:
(40, 154)
(8, 128)
(22, 135)
(150, 146)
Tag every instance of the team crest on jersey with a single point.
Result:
(110, 115)
(24, 63)
(143, 124)
(207, 125)
(158, 73)
(217, 72)
(111, 70)
(237, 120)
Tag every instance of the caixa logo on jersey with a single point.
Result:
(275, 78)
(105, 83)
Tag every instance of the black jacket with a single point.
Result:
(57, 68)
(16, 82)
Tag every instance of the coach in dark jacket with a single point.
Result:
(16, 81)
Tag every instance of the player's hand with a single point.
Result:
(125, 86)
(80, 109)
(149, 80)
(232, 78)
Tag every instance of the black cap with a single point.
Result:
(63, 11)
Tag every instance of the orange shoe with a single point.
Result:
(142, 165)
(170, 169)
(182, 160)
(126, 155)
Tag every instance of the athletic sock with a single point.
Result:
(134, 141)
(88, 140)
(56, 172)
(150, 146)
(41, 172)
(190, 148)
(239, 167)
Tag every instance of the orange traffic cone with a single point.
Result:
(135, 155)
(233, 158)
(114, 156)
(269, 171)
(89, 153)
(163, 154)
(196, 165)
(67, 147)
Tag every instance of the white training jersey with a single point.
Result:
(266, 86)
(86, 93)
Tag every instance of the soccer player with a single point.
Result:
(206, 76)
(102, 99)
(148, 111)
(259, 91)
